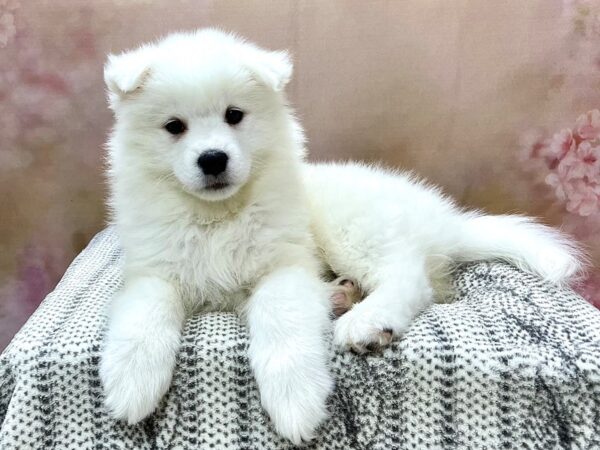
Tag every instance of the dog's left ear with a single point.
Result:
(273, 69)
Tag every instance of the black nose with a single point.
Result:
(213, 162)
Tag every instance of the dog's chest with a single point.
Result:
(218, 265)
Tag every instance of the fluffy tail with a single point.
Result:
(521, 241)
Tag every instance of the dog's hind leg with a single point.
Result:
(345, 292)
(401, 290)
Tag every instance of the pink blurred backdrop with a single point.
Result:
(487, 99)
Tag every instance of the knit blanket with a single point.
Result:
(510, 363)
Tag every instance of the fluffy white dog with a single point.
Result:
(216, 209)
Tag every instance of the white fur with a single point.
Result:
(141, 347)
(190, 248)
(286, 315)
(394, 234)
(259, 245)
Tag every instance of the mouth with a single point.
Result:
(216, 186)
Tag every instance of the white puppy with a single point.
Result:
(206, 192)
(216, 209)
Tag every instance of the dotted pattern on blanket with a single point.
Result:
(512, 363)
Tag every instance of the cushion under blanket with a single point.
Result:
(511, 363)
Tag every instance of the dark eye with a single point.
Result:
(175, 126)
(233, 116)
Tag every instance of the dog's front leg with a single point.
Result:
(288, 315)
(141, 345)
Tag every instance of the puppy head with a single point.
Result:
(204, 107)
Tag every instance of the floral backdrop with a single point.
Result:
(498, 102)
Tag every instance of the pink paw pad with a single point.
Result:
(345, 294)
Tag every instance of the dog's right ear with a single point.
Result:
(126, 73)
(271, 68)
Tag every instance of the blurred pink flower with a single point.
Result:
(584, 162)
(583, 198)
(531, 143)
(580, 194)
(572, 158)
(587, 125)
(560, 185)
(560, 144)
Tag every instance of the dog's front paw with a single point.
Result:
(295, 399)
(362, 330)
(134, 380)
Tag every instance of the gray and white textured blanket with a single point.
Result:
(511, 363)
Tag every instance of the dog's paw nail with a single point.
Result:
(372, 347)
(355, 331)
(386, 336)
